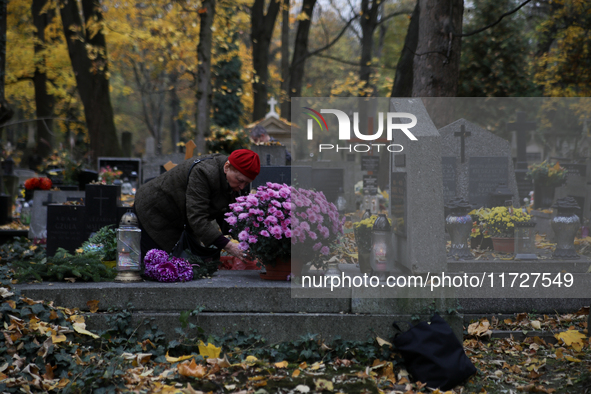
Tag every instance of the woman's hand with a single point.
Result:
(233, 249)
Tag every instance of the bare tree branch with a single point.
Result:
(392, 15)
(494, 23)
(317, 51)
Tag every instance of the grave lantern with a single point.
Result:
(382, 259)
(565, 224)
(525, 247)
(128, 249)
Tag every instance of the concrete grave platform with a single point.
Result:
(232, 301)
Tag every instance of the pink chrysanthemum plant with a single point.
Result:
(261, 222)
(316, 225)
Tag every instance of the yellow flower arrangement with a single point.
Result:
(500, 221)
(546, 174)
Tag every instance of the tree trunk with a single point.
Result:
(5, 111)
(43, 100)
(286, 102)
(300, 53)
(91, 75)
(369, 23)
(437, 64)
(175, 109)
(436, 67)
(260, 34)
(404, 70)
(204, 74)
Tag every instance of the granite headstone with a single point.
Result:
(487, 163)
(41, 199)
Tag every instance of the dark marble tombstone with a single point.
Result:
(275, 174)
(65, 227)
(484, 176)
(102, 202)
(370, 185)
(370, 163)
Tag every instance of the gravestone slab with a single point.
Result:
(41, 199)
(370, 163)
(330, 181)
(480, 146)
(417, 194)
(484, 176)
(65, 227)
(275, 174)
(270, 155)
(370, 185)
(102, 204)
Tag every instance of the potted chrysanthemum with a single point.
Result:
(261, 223)
(279, 219)
(316, 225)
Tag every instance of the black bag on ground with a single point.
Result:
(433, 355)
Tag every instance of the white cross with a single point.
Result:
(272, 112)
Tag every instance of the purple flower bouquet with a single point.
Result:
(278, 218)
(162, 268)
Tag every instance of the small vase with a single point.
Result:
(364, 264)
(503, 245)
(333, 270)
(543, 196)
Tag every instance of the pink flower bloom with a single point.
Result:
(231, 220)
(265, 233)
(317, 246)
(270, 220)
(243, 216)
(243, 236)
(325, 250)
(305, 226)
(252, 239)
(312, 235)
(243, 246)
(276, 231)
(287, 233)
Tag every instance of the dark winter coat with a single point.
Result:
(162, 203)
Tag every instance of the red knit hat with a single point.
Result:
(246, 161)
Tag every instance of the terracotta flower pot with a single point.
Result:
(281, 270)
(503, 245)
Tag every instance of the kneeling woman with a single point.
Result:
(194, 194)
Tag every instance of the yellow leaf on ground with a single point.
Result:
(572, 359)
(81, 329)
(57, 338)
(192, 369)
(323, 384)
(304, 365)
(177, 359)
(209, 350)
(250, 360)
(479, 329)
(382, 342)
(93, 306)
(295, 373)
(536, 324)
(571, 338)
(282, 364)
(559, 355)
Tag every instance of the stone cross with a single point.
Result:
(521, 127)
(272, 112)
(463, 134)
(101, 202)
